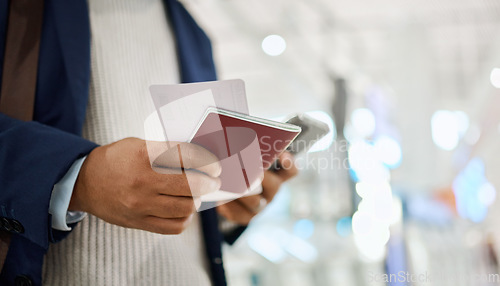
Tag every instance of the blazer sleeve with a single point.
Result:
(33, 157)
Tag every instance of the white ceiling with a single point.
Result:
(425, 55)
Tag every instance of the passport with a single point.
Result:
(245, 145)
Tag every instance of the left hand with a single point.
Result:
(242, 210)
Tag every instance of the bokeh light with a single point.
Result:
(344, 226)
(388, 150)
(473, 192)
(487, 194)
(366, 164)
(303, 228)
(274, 45)
(445, 129)
(363, 121)
(495, 77)
(462, 122)
(325, 142)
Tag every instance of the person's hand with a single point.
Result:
(118, 184)
(242, 210)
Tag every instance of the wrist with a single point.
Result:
(74, 203)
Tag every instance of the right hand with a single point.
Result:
(118, 184)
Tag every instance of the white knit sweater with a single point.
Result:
(132, 47)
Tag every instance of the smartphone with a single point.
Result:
(312, 131)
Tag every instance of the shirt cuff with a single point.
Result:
(61, 196)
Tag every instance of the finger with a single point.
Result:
(270, 185)
(288, 168)
(183, 155)
(165, 225)
(191, 183)
(165, 206)
(251, 203)
(235, 212)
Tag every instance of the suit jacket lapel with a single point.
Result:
(194, 49)
(73, 29)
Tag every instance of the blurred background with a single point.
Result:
(403, 190)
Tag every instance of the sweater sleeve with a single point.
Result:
(33, 158)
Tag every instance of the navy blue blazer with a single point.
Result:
(35, 155)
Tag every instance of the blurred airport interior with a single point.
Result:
(403, 190)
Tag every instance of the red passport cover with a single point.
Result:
(245, 145)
